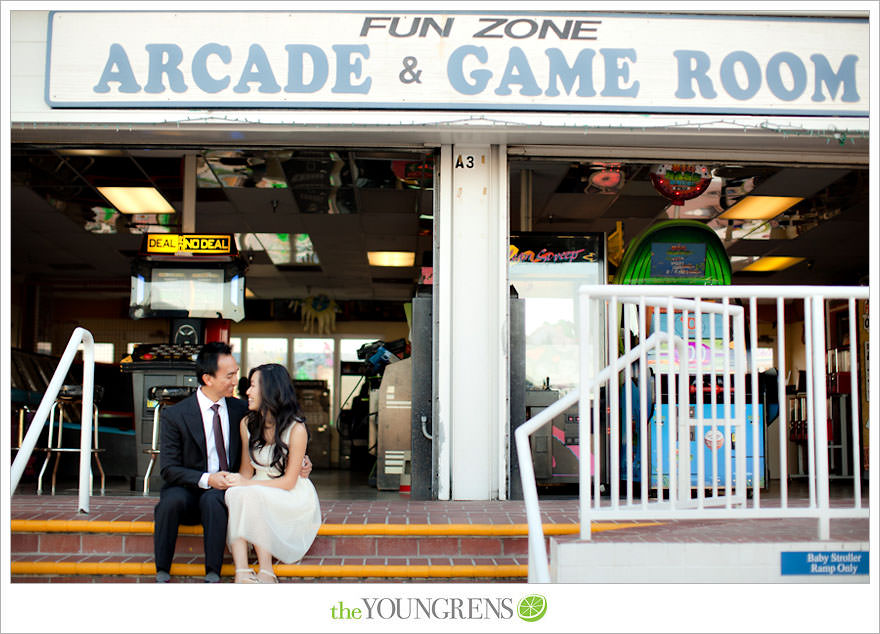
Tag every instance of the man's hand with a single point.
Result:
(234, 480)
(306, 467)
(218, 480)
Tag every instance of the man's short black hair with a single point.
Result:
(206, 361)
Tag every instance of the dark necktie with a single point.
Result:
(218, 438)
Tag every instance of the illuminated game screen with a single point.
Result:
(175, 291)
(197, 290)
(678, 259)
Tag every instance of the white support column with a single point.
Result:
(443, 323)
(473, 320)
(499, 204)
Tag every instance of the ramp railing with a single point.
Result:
(701, 452)
(79, 336)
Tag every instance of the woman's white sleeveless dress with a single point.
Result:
(281, 521)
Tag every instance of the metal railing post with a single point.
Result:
(783, 405)
(820, 413)
(85, 446)
(585, 422)
(855, 405)
(756, 412)
(80, 335)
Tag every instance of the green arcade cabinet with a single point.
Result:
(688, 252)
(675, 252)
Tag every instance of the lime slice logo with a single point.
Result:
(532, 608)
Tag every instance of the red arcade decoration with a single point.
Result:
(678, 183)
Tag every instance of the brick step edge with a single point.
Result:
(151, 579)
(64, 544)
(20, 526)
(139, 569)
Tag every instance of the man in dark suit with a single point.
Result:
(200, 446)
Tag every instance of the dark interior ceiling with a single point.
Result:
(829, 228)
(349, 201)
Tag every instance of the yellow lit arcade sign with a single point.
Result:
(197, 243)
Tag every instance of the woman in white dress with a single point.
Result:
(270, 505)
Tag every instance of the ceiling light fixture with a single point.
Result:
(607, 181)
(391, 258)
(759, 207)
(137, 200)
(772, 263)
(90, 152)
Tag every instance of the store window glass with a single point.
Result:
(240, 389)
(350, 382)
(235, 344)
(313, 360)
(103, 352)
(551, 342)
(348, 348)
(764, 359)
(260, 350)
(550, 333)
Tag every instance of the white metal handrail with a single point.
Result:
(538, 563)
(725, 501)
(80, 335)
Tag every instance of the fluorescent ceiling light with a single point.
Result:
(759, 207)
(137, 200)
(91, 152)
(697, 212)
(772, 263)
(391, 258)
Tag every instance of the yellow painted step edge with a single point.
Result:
(86, 526)
(198, 570)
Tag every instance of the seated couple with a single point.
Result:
(244, 485)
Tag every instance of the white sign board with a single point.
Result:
(578, 62)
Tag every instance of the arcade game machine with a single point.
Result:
(688, 252)
(197, 282)
(545, 271)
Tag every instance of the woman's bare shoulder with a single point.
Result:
(297, 430)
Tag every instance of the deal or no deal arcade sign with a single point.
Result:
(554, 62)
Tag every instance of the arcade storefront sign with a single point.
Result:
(562, 61)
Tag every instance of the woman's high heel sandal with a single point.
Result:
(264, 576)
(245, 575)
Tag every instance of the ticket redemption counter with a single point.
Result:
(197, 282)
(688, 252)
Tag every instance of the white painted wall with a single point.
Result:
(652, 562)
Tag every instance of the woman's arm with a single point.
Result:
(245, 469)
(296, 444)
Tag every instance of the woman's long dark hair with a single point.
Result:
(277, 401)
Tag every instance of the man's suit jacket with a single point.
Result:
(184, 454)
